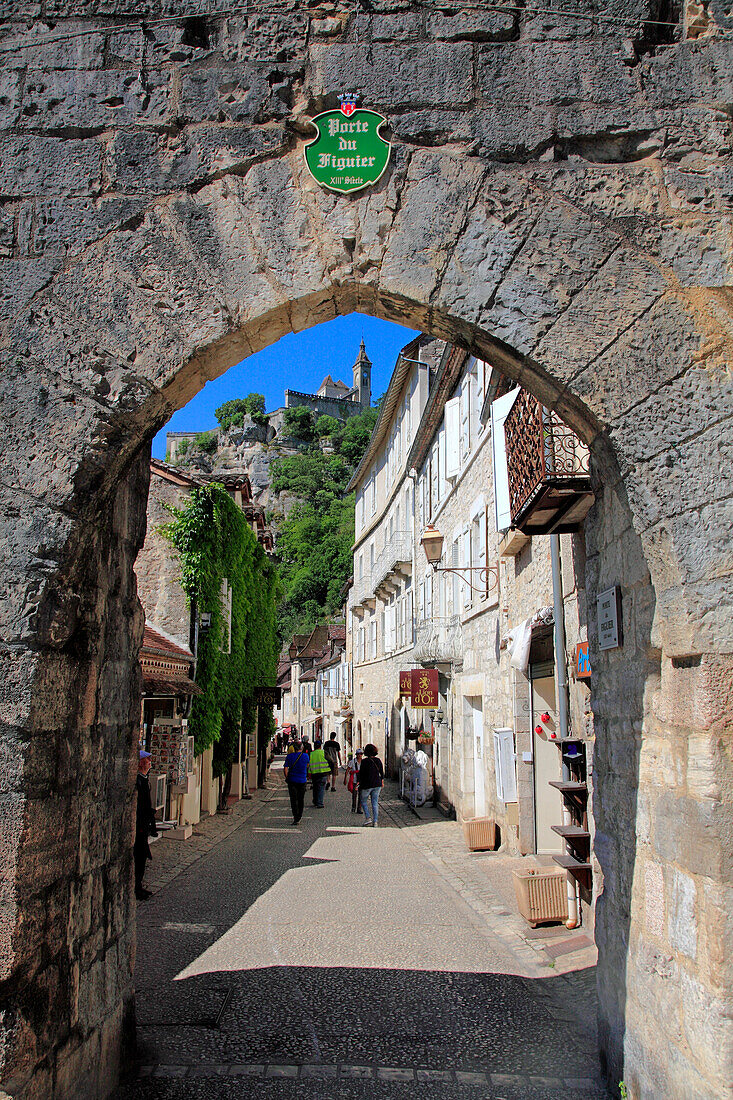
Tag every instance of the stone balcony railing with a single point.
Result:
(395, 557)
(363, 589)
(439, 639)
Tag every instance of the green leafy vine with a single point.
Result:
(214, 543)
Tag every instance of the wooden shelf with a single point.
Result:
(571, 864)
(569, 787)
(571, 832)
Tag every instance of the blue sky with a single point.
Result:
(299, 361)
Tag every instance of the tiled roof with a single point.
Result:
(315, 643)
(156, 642)
(170, 685)
(170, 473)
(337, 632)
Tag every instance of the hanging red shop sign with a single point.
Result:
(424, 688)
(406, 683)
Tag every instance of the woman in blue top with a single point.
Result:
(295, 769)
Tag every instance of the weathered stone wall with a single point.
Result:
(556, 201)
(158, 569)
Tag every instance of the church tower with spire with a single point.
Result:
(362, 392)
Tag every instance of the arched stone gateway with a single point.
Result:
(557, 203)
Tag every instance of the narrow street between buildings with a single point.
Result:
(342, 961)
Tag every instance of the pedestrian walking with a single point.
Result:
(295, 770)
(371, 781)
(352, 780)
(145, 825)
(332, 749)
(319, 769)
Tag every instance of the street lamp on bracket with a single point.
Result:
(432, 543)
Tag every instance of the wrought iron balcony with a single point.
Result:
(439, 639)
(549, 470)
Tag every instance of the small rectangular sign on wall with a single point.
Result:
(406, 682)
(608, 605)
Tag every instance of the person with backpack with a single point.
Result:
(332, 749)
(319, 769)
(295, 769)
(371, 781)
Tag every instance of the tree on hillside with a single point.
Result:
(206, 442)
(327, 425)
(232, 413)
(298, 423)
(352, 440)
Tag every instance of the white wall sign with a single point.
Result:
(377, 710)
(608, 606)
(506, 772)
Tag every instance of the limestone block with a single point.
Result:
(562, 251)
(56, 99)
(35, 165)
(7, 229)
(715, 906)
(395, 76)
(495, 231)
(550, 73)
(427, 224)
(386, 27)
(143, 161)
(433, 127)
(698, 255)
(653, 350)
(21, 280)
(699, 188)
(221, 224)
(69, 225)
(706, 1025)
(684, 409)
(474, 25)
(692, 834)
(28, 46)
(690, 72)
(264, 37)
(10, 97)
(235, 93)
(513, 132)
(682, 915)
(28, 527)
(158, 45)
(152, 307)
(54, 411)
(682, 477)
(626, 285)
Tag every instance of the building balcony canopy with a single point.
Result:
(549, 470)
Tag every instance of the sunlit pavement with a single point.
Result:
(335, 960)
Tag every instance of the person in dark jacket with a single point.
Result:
(371, 781)
(295, 769)
(145, 825)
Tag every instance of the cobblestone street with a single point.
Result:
(339, 960)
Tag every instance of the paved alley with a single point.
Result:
(341, 961)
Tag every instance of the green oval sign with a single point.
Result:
(348, 154)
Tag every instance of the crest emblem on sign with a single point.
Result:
(348, 104)
(348, 153)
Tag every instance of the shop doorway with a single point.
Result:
(547, 800)
(476, 716)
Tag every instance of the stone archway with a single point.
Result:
(574, 278)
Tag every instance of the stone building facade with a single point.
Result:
(496, 740)
(557, 204)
